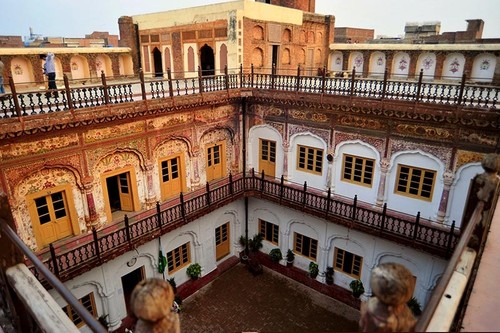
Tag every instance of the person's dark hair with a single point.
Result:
(43, 56)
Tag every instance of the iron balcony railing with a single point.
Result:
(101, 246)
(23, 104)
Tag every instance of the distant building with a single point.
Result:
(353, 35)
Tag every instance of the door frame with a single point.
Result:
(182, 173)
(132, 187)
(71, 210)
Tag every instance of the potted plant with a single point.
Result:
(244, 244)
(194, 271)
(173, 284)
(357, 288)
(275, 255)
(313, 269)
(329, 275)
(415, 306)
(290, 257)
(255, 244)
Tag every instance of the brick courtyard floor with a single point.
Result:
(237, 301)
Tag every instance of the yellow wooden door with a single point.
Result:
(53, 217)
(171, 177)
(215, 162)
(126, 201)
(267, 157)
(222, 241)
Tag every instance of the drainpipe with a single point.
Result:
(244, 153)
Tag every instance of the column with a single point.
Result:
(196, 172)
(384, 168)
(286, 148)
(329, 172)
(443, 204)
(285, 244)
(110, 303)
(150, 192)
(92, 220)
(322, 263)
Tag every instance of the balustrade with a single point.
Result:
(165, 217)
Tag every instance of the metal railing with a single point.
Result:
(473, 239)
(65, 263)
(51, 279)
(24, 104)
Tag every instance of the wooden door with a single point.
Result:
(53, 217)
(215, 162)
(171, 177)
(267, 157)
(126, 201)
(222, 245)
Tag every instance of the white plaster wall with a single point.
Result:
(483, 68)
(356, 61)
(377, 64)
(105, 280)
(401, 65)
(427, 62)
(336, 61)
(297, 176)
(374, 251)
(269, 133)
(459, 192)
(409, 205)
(453, 66)
(347, 189)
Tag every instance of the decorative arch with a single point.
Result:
(257, 57)
(412, 205)
(336, 61)
(79, 67)
(401, 65)
(63, 177)
(310, 37)
(453, 66)
(356, 61)
(301, 56)
(126, 64)
(103, 64)
(285, 56)
(22, 70)
(190, 59)
(483, 67)
(223, 56)
(303, 37)
(287, 35)
(377, 64)
(168, 58)
(258, 32)
(426, 62)
(459, 192)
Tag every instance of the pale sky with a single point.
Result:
(71, 18)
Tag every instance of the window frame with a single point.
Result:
(314, 165)
(341, 268)
(182, 264)
(363, 170)
(312, 241)
(73, 316)
(263, 228)
(71, 213)
(411, 171)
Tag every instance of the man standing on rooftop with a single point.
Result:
(49, 69)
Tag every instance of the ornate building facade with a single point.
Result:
(347, 172)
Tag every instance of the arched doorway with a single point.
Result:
(158, 66)
(207, 60)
